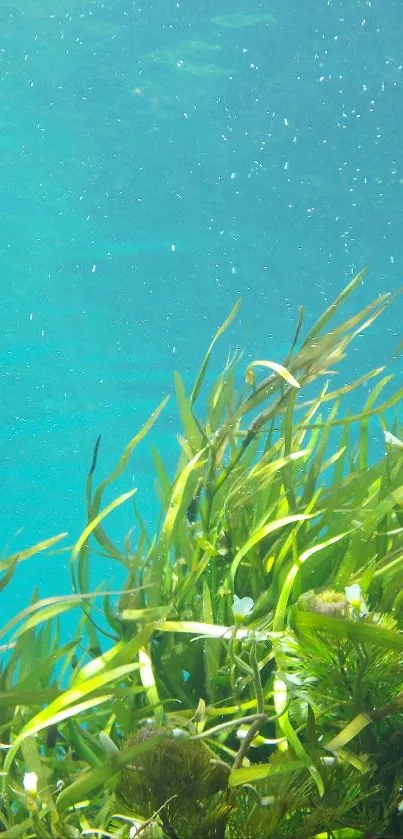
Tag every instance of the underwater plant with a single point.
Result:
(247, 680)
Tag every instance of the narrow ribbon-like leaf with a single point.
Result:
(272, 365)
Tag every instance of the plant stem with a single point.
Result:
(243, 749)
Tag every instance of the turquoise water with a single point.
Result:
(158, 160)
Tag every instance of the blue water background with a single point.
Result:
(158, 160)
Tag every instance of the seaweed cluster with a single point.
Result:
(247, 680)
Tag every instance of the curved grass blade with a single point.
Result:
(9, 574)
(162, 474)
(159, 552)
(18, 830)
(202, 372)
(76, 552)
(46, 666)
(20, 556)
(280, 613)
(260, 477)
(48, 601)
(35, 607)
(341, 391)
(222, 399)
(126, 457)
(46, 614)
(260, 534)
(272, 365)
(213, 630)
(37, 724)
(330, 311)
(194, 433)
(70, 703)
(152, 613)
(82, 743)
(348, 420)
(349, 732)
(26, 696)
(250, 774)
